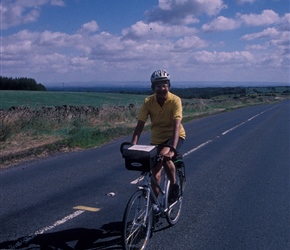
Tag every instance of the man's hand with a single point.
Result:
(168, 156)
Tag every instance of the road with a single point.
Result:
(237, 193)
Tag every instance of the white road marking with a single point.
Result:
(26, 239)
(59, 222)
(253, 117)
(197, 148)
(231, 129)
(224, 133)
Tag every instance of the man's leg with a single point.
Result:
(156, 172)
(173, 188)
(170, 171)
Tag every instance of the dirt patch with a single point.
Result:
(23, 142)
(23, 147)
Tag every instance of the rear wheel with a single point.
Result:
(137, 221)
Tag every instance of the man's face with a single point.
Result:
(161, 89)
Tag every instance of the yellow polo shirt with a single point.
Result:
(162, 125)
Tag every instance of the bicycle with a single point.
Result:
(139, 217)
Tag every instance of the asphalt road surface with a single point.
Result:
(237, 193)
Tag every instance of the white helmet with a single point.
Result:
(160, 75)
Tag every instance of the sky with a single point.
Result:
(126, 40)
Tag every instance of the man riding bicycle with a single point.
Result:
(165, 112)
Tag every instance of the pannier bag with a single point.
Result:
(139, 157)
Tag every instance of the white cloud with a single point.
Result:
(257, 47)
(142, 30)
(273, 35)
(267, 33)
(90, 27)
(96, 54)
(276, 46)
(267, 17)
(285, 22)
(245, 1)
(17, 12)
(55, 39)
(183, 11)
(221, 23)
(228, 58)
(58, 2)
(188, 43)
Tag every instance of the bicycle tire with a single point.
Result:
(136, 228)
(174, 209)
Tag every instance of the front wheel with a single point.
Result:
(174, 209)
(137, 221)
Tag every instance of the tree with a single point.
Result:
(20, 84)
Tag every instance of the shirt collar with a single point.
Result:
(169, 96)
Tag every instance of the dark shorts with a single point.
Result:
(179, 144)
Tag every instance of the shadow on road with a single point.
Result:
(107, 237)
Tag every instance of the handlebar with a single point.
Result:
(123, 145)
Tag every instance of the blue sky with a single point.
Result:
(113, 40)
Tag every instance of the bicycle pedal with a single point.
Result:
(163, 215)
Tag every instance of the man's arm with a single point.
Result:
(177, 123)
(137, 132)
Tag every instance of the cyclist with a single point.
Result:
(165, 112)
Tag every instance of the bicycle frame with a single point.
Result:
(146, 186)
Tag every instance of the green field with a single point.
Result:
(36, 99)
